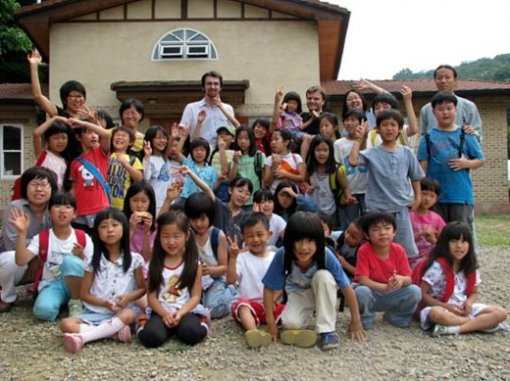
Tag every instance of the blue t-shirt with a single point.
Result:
(456, 186)
(206, 173)
(389, 173)
(275, 278)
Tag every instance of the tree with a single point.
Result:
(14, 45)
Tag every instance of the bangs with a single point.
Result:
(458, 230)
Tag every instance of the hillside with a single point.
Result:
(495, 69)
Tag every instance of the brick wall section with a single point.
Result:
(491, 185)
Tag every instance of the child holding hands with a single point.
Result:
(247, 270)
(309, 275)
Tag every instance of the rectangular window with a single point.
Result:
(170, 51)
(11, 151)
(197, 50)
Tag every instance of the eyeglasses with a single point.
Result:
(80, 96)
(39, 184)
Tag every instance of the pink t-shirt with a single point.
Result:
(421, 222)
(369, 265)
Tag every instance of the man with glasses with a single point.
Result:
(208, 114)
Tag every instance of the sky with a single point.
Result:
(386, 36)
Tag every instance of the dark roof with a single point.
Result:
(425, 87)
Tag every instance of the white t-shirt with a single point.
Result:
(111, 281)
(157, 172)
(206, 255)
(170, 296)
(57, 250)
(250, 271)
(356, 176)
(214, 119)
(58, 165)
(276, 225)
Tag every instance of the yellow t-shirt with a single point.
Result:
(119, 178)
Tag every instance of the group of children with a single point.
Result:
(247, 230)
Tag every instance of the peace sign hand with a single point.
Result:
(233, 247)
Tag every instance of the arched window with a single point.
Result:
(184, 44)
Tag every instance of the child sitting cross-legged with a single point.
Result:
(383, 277)
(310, 275)
(247, 269)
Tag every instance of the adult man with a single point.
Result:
(315, 99)
(208, 114)
(445, 77)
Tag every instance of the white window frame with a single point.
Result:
(186, 39)
(21, 151)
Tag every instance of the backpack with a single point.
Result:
(44, 237)
(16, 187)
(428, 143)
(215, 240)
(258, 164)
(338, 192)
(419, 271)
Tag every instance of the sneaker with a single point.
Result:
(303, 338)
(440, 330)
(328, 340)
(206, 322)
(124, 335)
(75, 307)
(256, 338)
(73, 342)
(500, 327)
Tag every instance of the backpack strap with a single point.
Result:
(97, 174)
(427, 144)
(258, 165)
(373, 135)
(44, 237)
(81, 237)
(450, 280)
(215, 240)
(461, 141)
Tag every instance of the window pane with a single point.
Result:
(12, 164)
(12, 138)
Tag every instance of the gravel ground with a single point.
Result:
(31, 350)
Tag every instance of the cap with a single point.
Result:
(230, 129)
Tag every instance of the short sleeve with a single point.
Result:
(275, 278)
(33, 247)
(434, 274)
(138, 261)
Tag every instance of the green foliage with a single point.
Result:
(494, 69)
(14, 44)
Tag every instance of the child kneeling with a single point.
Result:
(383, 277)
(310, 275)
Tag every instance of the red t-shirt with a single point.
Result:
(90, 195)
(369, 265)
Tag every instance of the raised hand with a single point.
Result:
(147, 150)
(34, 58)
(20, 220)
(233, 247)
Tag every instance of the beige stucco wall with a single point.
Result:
(266, 52)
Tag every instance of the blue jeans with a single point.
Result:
(348, 213)
(218, 297)
(398, 305)
(53, 295)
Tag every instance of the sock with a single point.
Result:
(453, 329)
(105, 329)
(86, 327)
